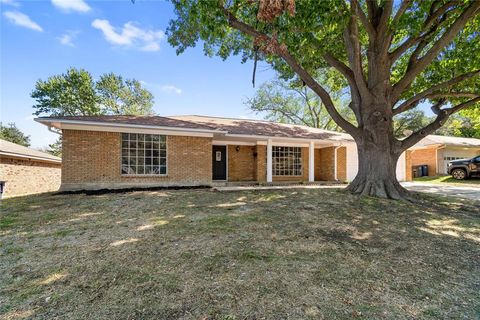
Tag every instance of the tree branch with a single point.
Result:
(352, 44)
(357, 10)
(430, 25)
(348, 74)
(401, 10)
(387, 9)
(444, 40)
(298, 69)
(406, 105)
(442, 116)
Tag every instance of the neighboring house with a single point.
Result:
(146, 151)
(26, 171)
(436, 151)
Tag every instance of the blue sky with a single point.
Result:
(43, 38)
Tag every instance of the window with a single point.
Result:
(287, 161)
(144, 154)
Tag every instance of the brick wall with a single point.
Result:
(324, 164)
(424, 156)
(261, 163)
(342, 164)
(25, 176)
(408, 165)
(324, 158)
(241, 163)
(92, 161)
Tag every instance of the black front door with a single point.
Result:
(219, 162)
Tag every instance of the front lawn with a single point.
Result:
(201, 254)
(448, 179)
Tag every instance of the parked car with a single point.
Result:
(464, 168)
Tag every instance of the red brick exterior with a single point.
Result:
(92, 161)
(325, 164)
(27, 176)
(241, 163)
(424, 156)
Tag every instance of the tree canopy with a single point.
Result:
(13, 134)
(286, 101)
(76, 93)
(393, 55)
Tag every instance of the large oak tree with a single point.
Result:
(393, 54)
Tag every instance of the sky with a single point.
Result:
(41, 38)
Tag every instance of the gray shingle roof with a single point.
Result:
(265, 128)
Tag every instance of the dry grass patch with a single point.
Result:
(200, 254)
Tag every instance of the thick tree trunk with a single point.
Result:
(377, 172)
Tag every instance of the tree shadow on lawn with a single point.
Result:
(239, 255)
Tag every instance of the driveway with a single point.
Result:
(463, 192)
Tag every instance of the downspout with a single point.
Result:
(335, 162)
(54, 131)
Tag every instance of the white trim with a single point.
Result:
(17, 155)
(311, 162)
(269, 161)
(137, 130)
(293, 139)
(59, 124)
(226, 161)
(133, 175)
(236, 143)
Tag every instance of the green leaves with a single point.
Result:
(71, 93)
(13, 134)
(75, 93)
(120, 96)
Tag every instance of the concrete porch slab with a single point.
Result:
(279, 187)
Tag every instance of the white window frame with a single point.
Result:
(284, 153)
(136, 174)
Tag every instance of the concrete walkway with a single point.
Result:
(462, 192)
(279, 187)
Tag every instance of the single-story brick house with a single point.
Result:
(27, 171)
(436, 151)
(146, 151)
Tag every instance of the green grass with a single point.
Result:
(449, 180)
(201, 254)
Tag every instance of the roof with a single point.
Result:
(8, 148)
(156, 121)
(265, 128)
(227, 126)
(449, 141)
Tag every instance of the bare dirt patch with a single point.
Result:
(200, 254)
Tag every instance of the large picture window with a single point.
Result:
(144, 154)
(287, 161)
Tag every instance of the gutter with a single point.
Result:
(48, 122)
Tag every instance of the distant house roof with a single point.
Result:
(8, 148)
(216, 125)
(449, 141)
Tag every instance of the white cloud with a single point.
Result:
(130, 35)
(67, 38)
(10, 3)
(22, 20)
(72, 5)
(171, 89)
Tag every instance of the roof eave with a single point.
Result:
(57, 123)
